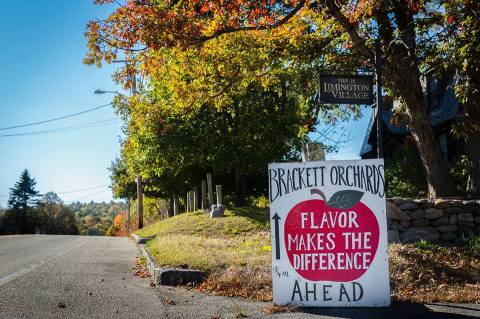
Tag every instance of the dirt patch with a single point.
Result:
(252, 283)
(434, 274)
(426, 274)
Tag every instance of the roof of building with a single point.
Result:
(446, 110)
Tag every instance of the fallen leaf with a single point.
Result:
(168, 301)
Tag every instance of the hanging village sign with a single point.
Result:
(346, 89)
(329, 233)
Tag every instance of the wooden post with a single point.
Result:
(170, 208)
(195, 198)
(140, 201)
(204, 195)
(210, 191)
(191, 201)
(313, 152)
(187, 204)
(378, 95)
(175, 206)
(218, 189)
(128, 216)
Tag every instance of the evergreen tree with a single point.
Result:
(22, 216)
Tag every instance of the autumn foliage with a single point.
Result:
(328, 35)
(119, 227)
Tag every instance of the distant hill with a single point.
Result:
(95, 218)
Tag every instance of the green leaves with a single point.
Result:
(345, 199)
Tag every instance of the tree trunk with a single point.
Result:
(472, 137)
(472, 149)
(240, 187)
(403, 78)
(407, 85)
(436, 170)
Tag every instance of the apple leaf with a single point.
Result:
(345, 199)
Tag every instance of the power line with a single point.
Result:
(55, 119)
(67, 128)
(84, 197)
(83, 189)
(72, 191)
(64, 129)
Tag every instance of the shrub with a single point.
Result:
(459, 172)
(426, 245)
(404, 172)
(259, 201)
(473, 243)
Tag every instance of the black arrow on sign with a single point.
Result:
(277, 236)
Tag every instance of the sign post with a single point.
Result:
(329, 234)
(378, 96)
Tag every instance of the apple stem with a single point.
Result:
(319, 192)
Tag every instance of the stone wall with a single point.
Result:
(411, 220)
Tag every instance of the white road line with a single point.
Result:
(31, 267)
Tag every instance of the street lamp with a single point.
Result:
(139, 176)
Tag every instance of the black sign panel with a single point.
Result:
(346, 89)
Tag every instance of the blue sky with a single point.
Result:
(356, 132)
(42, 77)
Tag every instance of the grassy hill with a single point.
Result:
(241, 238)
(235, 250)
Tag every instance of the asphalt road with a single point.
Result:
(91, 277)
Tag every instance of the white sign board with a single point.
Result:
(329, 234)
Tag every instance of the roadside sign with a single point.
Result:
(329, 234)
(346, 89)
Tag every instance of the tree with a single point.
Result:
(94, 215)
(123, 185)
(142, 27)
(22, 216)
(459, 46)
(171, 146)
(119, 227)
(229, 111)
(55, 217)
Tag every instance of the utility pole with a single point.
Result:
(128, 216)
(139, 176)
(140, 201)
(378, 80)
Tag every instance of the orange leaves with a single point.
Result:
(120, 219)
(356, 10)
(157, 24)
(140, 269)
(141, 28)
(204, 9)
(415, 6)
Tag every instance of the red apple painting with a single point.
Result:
(331, 240)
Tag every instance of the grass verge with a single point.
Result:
(235, 251)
